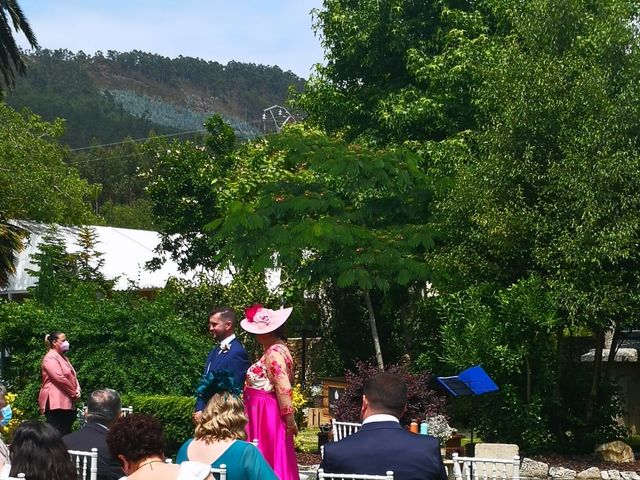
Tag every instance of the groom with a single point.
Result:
(228, 355)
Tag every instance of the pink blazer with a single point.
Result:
(59, 382)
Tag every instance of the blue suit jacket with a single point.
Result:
(235, 360)
(381, 446)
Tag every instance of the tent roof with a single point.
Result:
(125, 253)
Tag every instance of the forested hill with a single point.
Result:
(106, 98)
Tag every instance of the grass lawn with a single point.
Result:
(307, 440)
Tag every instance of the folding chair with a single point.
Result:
(353, 476)
(475, 468)
(343, 429)
(86, 463)
(219, 473)
(124, 411)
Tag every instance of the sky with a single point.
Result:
(269, 32)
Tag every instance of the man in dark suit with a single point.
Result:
(103, 409)
(382, 444)
(229, 355)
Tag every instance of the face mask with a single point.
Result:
(7, 415)
(64, 346)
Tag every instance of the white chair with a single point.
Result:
(86, 463)
(255, 442)
(124, 411)
(353, 476)
(475, 468)
(219, 473)
(19, 477)
(343, 429)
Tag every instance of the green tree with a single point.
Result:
(35, 182)
(549, 188)
(11, 245)
(396, 70)
(322, 210)
(183, 187)
(11, 63)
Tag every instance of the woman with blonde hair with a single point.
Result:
(60, 388)
(219, 437)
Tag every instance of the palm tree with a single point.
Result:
(11, 244)
(11, 63)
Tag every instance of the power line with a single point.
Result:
(136, 140)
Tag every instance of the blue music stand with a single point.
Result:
(472, 381)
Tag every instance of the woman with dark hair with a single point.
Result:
(37, 450)
(60, 387)
(268, 396)
(221, 431)
(137, 441)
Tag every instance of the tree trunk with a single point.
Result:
(597, 368)
(528, 373)
(374, 330)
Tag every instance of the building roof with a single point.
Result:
(125, 252)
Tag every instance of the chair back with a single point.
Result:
(86, 463)
(353, 476)
(124, 411)
(476, 468)
(19, 477)
(219, 473)
(343, 429)
(254, 442)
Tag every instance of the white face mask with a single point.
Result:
(64, 346)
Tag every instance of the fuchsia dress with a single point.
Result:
(267, 400)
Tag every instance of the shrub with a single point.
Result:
(16, 419)
(422, 401)
(121, 342)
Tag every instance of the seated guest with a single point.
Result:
(137, 441)
(5, 416)
(382, 444)
(103, 408)
(219, 435)
(38, 451)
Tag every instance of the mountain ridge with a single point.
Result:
(106, 98)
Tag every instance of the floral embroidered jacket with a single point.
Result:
(274, 373)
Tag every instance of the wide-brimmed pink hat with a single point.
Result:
(264, 320)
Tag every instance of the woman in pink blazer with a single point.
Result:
(60, 388)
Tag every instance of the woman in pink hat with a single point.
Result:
(268, 394)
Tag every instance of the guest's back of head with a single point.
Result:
(223, 418)
(135, 437)
(39, 452)
(104, 406)
(386, 392)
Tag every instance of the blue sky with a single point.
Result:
(270, 32)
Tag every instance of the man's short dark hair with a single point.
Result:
(103, 406)
(225, 312)
(386, 392)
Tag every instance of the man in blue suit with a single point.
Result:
(382, 444)
(229, 355)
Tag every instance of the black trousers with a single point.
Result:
(61, 419)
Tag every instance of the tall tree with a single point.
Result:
(11, 63)
(326, 211)
(550, 188)
(11, 238)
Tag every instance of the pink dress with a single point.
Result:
(267, 400)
